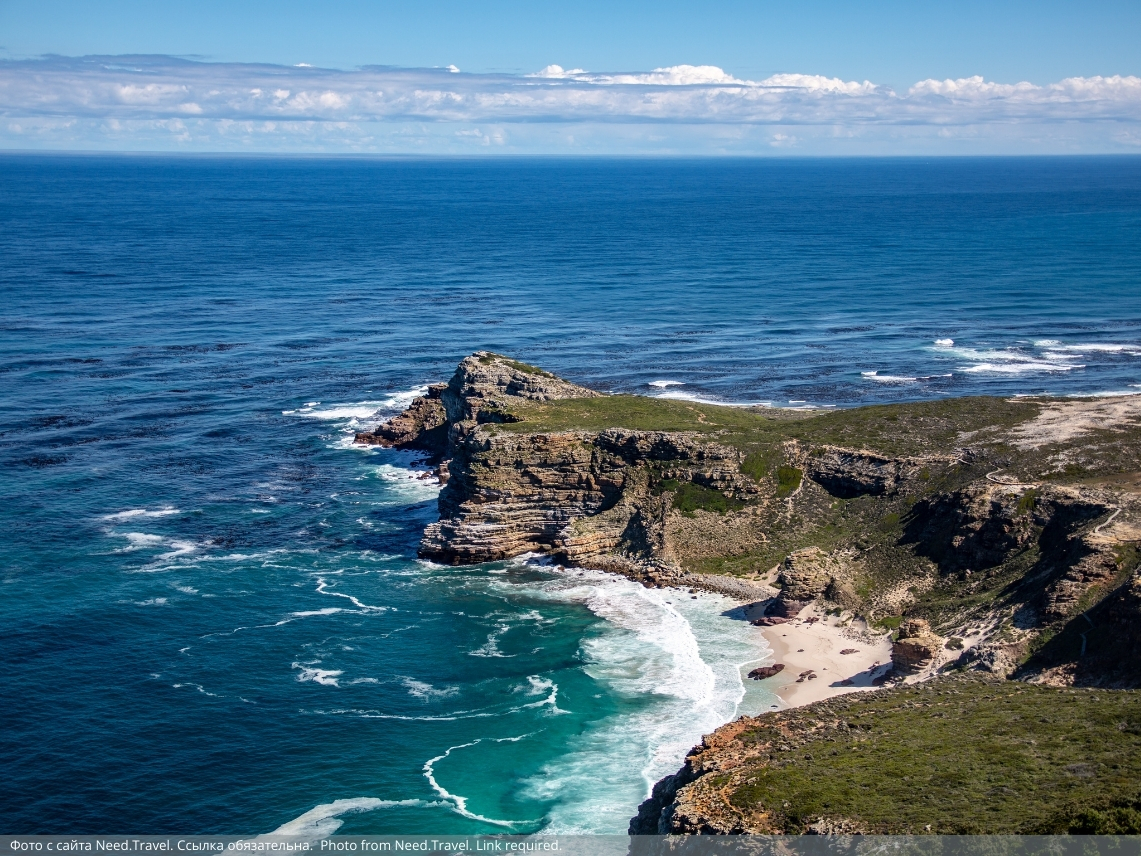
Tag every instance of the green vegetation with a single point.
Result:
(955, 755)
(893, 429)
(757, 465)
(788, 480)
(640, 413)
(1027, 501)
(526, 368)
(690, 497)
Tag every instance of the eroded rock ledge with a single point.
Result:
(988, 535)
(767, 506)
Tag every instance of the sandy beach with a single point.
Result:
(806, 646)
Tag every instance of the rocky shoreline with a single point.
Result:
(989, 536)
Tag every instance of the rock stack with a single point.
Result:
(915, 648)
(804, 576)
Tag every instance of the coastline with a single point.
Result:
(804, 645)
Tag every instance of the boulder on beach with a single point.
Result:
(770, 621)
(759, 674)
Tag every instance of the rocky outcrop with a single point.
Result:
(480, 391)
(848, 473)
(804, 576)
(484, 384)
(675, 807)
(984, 524)
(583, 497)
(915, 648)
(762, 672)
(515, 493)
(422, 426)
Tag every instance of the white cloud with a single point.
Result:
(258, 99)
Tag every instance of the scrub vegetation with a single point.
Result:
(955, 756)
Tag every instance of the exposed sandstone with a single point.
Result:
(915, 648)
(423, 425)
(804, 576)
(856, 472)
(484, 383)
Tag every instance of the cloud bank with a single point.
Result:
(53, 99)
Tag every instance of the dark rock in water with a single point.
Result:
(423, 425)
(763, 672)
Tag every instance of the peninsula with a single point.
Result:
(974, 561)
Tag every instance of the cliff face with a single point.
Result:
(744, 500)
(952, 756)
(1014, 556)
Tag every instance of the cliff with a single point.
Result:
(959, 756)
(987, 535)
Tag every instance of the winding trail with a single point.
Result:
(991, 478)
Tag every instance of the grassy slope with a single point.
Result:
(874, 527)
(913, 428)
(963, 755)
(895, 429)
(867, 522)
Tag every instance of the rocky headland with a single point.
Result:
(977, 536)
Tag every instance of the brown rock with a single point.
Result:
(423, 425)
(805, 574)
(915, 648)
(759, 674)
(769, 621)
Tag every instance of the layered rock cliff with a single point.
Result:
(986, 535)
(890, 527)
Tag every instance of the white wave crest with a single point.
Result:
(876, 376)
(679, 659)
(427, 692)
(1012, 360)
(680, 395)
(140, 540)
(662, 384)
(355, 412)
(323, 588)
(323, 820)
(1099, 347)
(460, 802)
(132, 513)
(408, 486)
(324, 677)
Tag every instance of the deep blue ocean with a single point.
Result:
(212, 618)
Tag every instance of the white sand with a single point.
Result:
(816, 647)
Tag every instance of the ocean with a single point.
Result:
(213, 618)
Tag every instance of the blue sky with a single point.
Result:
(732, 78)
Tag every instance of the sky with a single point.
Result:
(813, 78)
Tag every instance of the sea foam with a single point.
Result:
(679, 662)
(323, 820)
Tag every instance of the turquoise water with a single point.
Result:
(213, 618)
